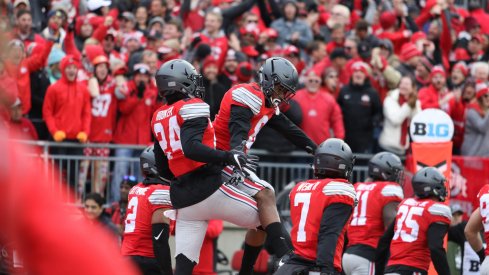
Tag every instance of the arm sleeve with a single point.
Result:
(239, 124)
(276, 11)
(161, 248)
(382, 252)
(232, 12)
(291, 132)
(436, 234)
(456, 233)
(185, 9)
(479, 124)
(38, 61)
(264, 13)
(162, 162)
(334, 219)
(191, 134)
(294, 112)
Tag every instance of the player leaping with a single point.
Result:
(244, 110)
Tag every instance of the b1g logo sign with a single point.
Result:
(431, 125)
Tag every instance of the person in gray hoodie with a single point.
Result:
(291, 29)
(476, 136)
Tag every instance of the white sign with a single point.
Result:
(431, 125)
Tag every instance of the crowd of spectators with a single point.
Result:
(82, 70)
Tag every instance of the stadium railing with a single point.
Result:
(277, 168)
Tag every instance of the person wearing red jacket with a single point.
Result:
(437, 94)
(133, 126)
(320, 112)
(207, 263)
(19, 66)
(21, 124)
(215, 37)
(66, 110)
(104, 111)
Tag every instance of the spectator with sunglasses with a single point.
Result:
(322, 118)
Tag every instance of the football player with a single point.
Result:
(377, 206)
(416, 235)
(146, 228)
(245, 110)
(185, 147)
(479, 221)
(321, 211)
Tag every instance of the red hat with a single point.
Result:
(208, 61)
(481, 89)
(360, 66)
(477, 37)
(99, 60)
(437, 70)
(92, 51)
(461, 54)
(387, 19)
(68, 60)
(462, 67)
(244, 72)
(409, 51)
(250, 51)
(291, 50)
(417, 36)
(271, 33)
(250, 29)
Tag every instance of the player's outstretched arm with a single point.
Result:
(292, 132)
(382, 252)
(436, 234)
(472, 233)
(334, 219)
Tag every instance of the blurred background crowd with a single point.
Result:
(82, 70)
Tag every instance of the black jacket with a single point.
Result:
(214, 92)
(362, 111)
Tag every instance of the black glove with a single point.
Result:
(71, 26)
(309, 150)
(240, 160)
(482, 255)
(194, 42)
(141, 88)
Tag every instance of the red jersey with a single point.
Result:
(483, 198)
(367, 224)
(308, 200)
(166, 124)
(409, 245)
(219, 46)
(247, 95)
(104, 112)
(25, 128)
(144, 200)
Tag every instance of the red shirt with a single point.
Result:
(219, 46)
(308, 200)
(367, 224)
(320, 114)
(135, 114)
(410, 244)
(430, 98)
(166, 124)
(25, 128)
(249, 96)
(144, 200)
(104, 113)
(483, 198)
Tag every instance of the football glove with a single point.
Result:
(239, 159)
(59, 136)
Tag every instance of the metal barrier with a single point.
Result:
(276, 168)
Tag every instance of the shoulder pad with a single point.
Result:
(194, 110)
(392, 191)
(335, 188)
(160, 197)
(248, 98)
(439, 209)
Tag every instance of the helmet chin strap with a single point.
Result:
(276, 103)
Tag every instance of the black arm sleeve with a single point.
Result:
(239, 125)
(436, 234)
(333, 221)
(191, 135)
(456, 233)
(291, 132)
(162, 162)
(294, 113)
(161, 248)
(410, 24)
(276, 11)
(185, 8)
(234, 11)
(383, 248)
(265, 15)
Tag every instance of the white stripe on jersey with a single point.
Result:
(194, 110)
(340, 188)
(440, 210)
(160, 197)
(392, 191)
(247, 98)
